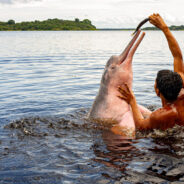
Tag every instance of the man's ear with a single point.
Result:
(156, 89)
(157, 92)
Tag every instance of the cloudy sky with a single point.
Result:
(102, 13)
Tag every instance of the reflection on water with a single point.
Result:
(48, 83)
(73, 150)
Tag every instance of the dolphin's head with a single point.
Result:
(118, 69)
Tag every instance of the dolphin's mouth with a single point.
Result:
(128, 52)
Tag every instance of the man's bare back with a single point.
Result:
(179, 105)
(169, 115)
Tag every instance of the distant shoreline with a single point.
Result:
(48, 25)
(84, 30)
(172, 28)
(66, 25)
(93, 30)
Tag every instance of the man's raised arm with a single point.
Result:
(157, 20)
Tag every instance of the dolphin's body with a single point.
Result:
(107, 106)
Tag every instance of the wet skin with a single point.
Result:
(107, 107)
(171, 113)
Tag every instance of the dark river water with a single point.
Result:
(48, 81)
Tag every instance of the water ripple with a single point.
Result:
(48, 83)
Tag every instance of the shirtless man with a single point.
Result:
(168, 86)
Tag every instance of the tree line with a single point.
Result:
(60, 24)
(179, 28)
(50, 24)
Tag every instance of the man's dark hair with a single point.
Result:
(169, 84)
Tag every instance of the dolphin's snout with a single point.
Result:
(125, 53)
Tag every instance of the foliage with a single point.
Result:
(50, 24)
(10, 22)
(77, 20)
(177, 27)
(171, 28)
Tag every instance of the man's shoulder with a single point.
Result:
(181, 94)
(164, 117)
(164, 112)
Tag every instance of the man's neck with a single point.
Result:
(164, 101)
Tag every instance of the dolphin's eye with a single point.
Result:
(113, 67)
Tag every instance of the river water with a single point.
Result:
(48, 83)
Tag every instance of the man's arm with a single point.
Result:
(144, 111)
(140, 122)
(175, 50)
(157, 20)
(159, 119)
(128, 96)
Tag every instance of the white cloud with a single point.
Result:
(16, 1)
(103, 13)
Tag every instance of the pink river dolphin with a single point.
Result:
(107, 106)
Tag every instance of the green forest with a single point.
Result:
(59, 24)
(171, 28)
(50, 24)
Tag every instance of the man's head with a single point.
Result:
(169, 84)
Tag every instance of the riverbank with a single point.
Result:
(47, 25)
(66, 25)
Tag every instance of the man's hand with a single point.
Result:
(126, 94)
(157, 21)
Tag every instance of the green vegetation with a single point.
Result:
(178, 28)
(50, 24)
(59, 24)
